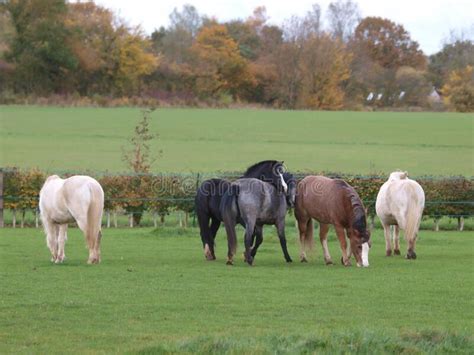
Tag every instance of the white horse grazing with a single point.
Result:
(400, 202)
(78, 198)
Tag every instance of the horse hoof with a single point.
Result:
(303, 260)
(229, 263)
(347, 263)
(411, 255)
(329, 262)
(289, 260)
(396, 252)
(388, 253)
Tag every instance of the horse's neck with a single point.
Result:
(258, 172)
(358, 211)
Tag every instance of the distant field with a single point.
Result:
(58, 139)
(155, 293)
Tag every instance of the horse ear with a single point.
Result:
(405, 174)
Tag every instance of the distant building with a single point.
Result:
(435, 95)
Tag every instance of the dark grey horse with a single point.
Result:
(256, 203)
(209, 196)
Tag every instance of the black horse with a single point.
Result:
(254, 203)
(209, 195)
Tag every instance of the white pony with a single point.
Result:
(78, 198)
(400, 202)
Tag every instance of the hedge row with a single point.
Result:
(135, 194)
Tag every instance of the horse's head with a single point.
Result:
(360, 241)
(52, 177)
(290, 192)
(269, 171)
(398, 175)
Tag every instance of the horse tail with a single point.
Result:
(230, 213)
(94, 217)
(202, 213)
(229, 202)
(414, 214)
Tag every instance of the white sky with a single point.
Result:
(428, 21)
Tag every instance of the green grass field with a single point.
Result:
(192, 140)
(155, 293)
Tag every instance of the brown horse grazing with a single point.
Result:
(332, 201)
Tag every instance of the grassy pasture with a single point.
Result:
(154, 292)
(192, 140)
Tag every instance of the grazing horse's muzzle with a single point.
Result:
(365, 255)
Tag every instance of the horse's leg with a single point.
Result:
(411, 248)
(396, 240)
(305, 228)
(258, 240)
(231, 241)
(248, 239)
(52, 231)
(280, 225)
(323, 233)
(97, 246)
(387, 232)
(215, 224)
(341, 234)
(349, 250)
(93, 242)
(62, 237)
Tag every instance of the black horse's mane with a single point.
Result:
(359, 221)
(288, 177)
(260, 164)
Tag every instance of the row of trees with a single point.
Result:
(135, 194)
(54, 46)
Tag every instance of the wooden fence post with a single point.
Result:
(1, 199)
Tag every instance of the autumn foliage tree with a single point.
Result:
(459, 89)
(326, 59)
(220, 67)
(112, 57)
(39, 48)
(455, 55)
(324, 65)
(381, 47)
(388, 44)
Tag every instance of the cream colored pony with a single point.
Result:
(400, 203)
(78, 198)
